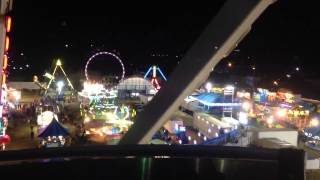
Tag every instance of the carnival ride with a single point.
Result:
(102, 114)
(154, 79)
(104, 53)
(47, 108)
(46, 87)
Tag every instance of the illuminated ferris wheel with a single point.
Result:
(104, 53)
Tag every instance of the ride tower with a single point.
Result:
(154, 80)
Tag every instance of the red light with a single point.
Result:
(5, 62)
(8, 24)
(7, 43)
(157, 84)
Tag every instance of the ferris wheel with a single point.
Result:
(104, 53)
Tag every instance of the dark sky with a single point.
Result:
(284, 37)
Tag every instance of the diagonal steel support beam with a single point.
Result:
(221, 36)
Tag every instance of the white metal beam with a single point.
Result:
(221, 36)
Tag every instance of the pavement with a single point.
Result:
(21, 137)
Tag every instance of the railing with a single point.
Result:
(154, 162)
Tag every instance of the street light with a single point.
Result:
(60, 85)
(275, 83)
(230, 64)
(208, 86)
(16, 95)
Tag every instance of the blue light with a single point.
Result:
(162, 74)
(145, 76)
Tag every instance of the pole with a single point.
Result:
(2, 41)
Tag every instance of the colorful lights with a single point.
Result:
(51, 77)
(155, 83)
(281, 113)
(270, 120)
(7, 44)
(102, 107)
(8, 24)
(5, 62)
(4, 79)
(154, 80)
(86, 120)
(100, 54)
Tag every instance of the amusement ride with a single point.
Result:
(50, 132)
(102, 113)
(154, 79)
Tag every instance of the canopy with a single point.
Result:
(210, 98)
(54, 129)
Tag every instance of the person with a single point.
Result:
(32, 135)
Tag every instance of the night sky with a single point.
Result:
(286, 36)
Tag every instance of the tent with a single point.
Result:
(54, 129)
(312, 132)
(210, 98)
